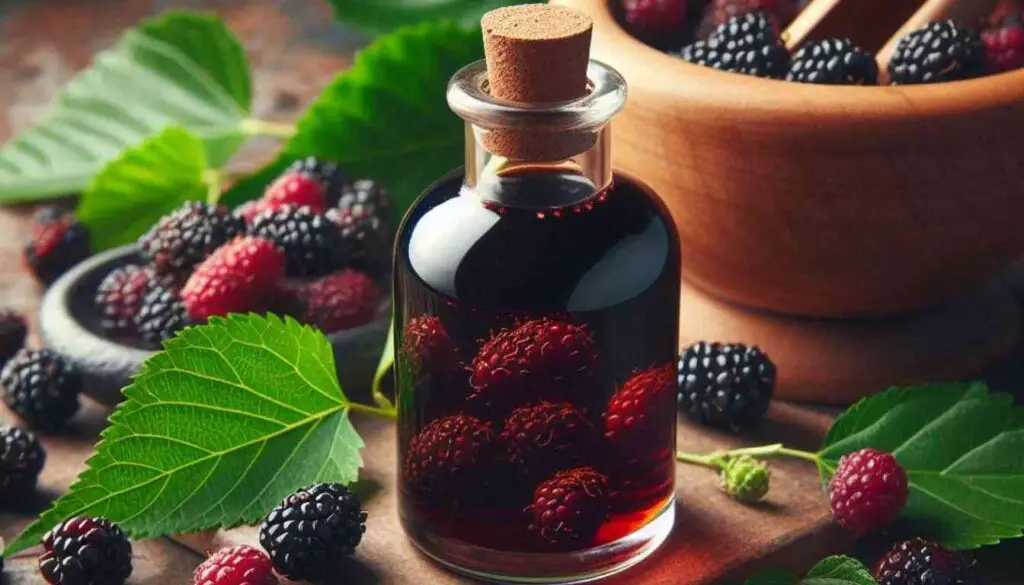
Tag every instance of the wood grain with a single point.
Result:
(820, 200)
(715, 539)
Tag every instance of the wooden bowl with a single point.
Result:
(70, 325)
(819, 200)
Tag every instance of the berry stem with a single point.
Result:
(256, 127)
(374, 410)
(705, 460)
(214, 180)
(719, 458)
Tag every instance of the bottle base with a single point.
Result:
(564, 567)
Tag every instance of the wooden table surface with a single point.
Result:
(295, 48)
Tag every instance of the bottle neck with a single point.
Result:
(537, 154)
(516, 182)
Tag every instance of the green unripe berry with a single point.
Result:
(745, 479)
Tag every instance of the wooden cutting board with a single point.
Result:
(715, 539)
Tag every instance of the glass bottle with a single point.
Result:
(536, 312)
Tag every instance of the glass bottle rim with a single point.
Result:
(468, 97)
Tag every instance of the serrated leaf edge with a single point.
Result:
(115, 425)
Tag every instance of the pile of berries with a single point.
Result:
(743, 36)
(305, 538)
(526, 409)
(315, 247)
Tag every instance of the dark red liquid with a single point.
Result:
(597, 273)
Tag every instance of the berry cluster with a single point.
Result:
(314, 247)
(743, 36)
(525, 418)
(305, 538)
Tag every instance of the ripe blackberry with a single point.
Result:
(312, 244)
(21, 459)
(745, 44)
(41, 388)
(185, 237)
(868, 490)
(366, 197)
(239, 277)
(161, 316)
(312, 531)
(58, 242)
(922, 562)
(538, 359)
(1004, 42)
(543, 438)
(938, 52)
(238, 565)
(725, 384)
(569, 509)
(328, 173)
(447, 456)
(833, 62)
(120, 295)
(86, 551)
(13, 332)
(367, 241)
(341, 301)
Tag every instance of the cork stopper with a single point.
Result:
(537, 54)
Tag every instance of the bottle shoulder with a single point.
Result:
(600, 251)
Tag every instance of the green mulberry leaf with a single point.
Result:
(215, 430)
(176, 69)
